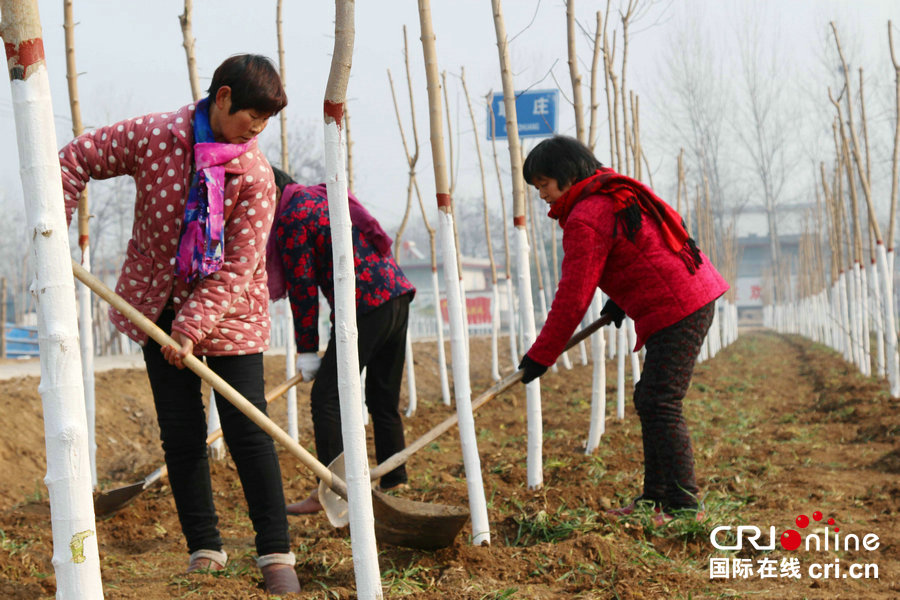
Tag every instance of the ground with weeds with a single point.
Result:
(782, 427)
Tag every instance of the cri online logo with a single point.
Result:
(792, 539)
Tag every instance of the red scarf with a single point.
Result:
(631, 200)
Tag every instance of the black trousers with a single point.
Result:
(182, 425)
(382, 350)
(668, 456)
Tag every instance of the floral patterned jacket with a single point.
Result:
(302, 233)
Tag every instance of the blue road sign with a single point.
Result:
(536, 114)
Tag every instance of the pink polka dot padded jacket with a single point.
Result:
(226, 313)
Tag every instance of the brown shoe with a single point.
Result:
(204, 564)
(308, 506)
(280, 579)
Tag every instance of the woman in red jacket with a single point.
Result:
(619, 236)
(195, 265)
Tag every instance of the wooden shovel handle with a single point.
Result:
(498, 388)
(221, 386)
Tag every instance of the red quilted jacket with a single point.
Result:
(226, 313)
(644, 277)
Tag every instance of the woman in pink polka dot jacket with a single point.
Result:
(195, 265)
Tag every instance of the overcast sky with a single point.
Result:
(132, 62)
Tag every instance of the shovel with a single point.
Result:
(106, 504)
(335, 505)
(397, 521)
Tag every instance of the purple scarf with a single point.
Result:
(200, 246)
(359, 217)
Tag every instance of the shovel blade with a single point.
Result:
(106, 504)
(336, 508)
(412, 524)
(398, 521)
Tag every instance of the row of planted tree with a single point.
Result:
(70, 486)
(531, 246)
(849, 303)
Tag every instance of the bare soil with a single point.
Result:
(781, 426)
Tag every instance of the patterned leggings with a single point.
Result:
(669, 364)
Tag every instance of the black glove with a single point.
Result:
(532, 370)
(616, 314)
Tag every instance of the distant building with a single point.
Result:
(754, 258)
(476, 276)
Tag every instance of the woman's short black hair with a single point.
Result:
(282, 179)
(562, 158)
(254, 83)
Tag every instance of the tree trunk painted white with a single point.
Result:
(526, 308)
(582, 347)
(890, 269)
(410, 378)
(76, 560)
(512, 315)
(715, 340)
(621, 352)
(462, 391)
(821, 315)
(877, 313)
(635, 359)
(704, 347)
(856, 316)
(582, 352)
(734, 323)
(534, 461)
(723, 309)
(290, 368)
(362, 520)
(481, 533)
(598, 389)
(837, 334)
(464, 310)
(864, 322)
(890, 327)
(495, 331)
(833, 310)
(213, 424)
(86, 342)
(725, 321)
(362, 532)
(442, 354)
(846, 323)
